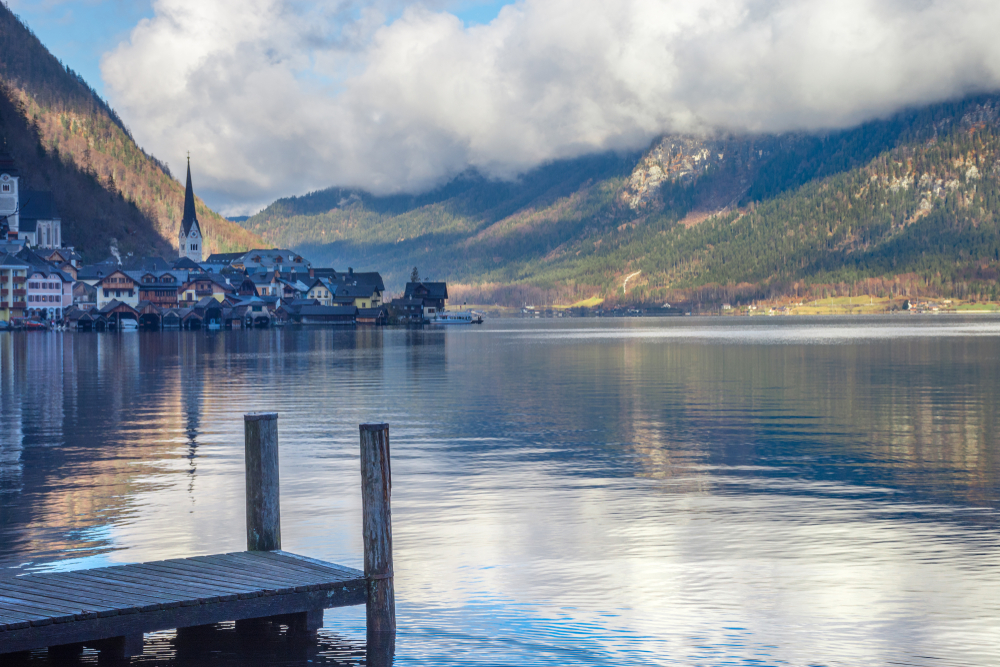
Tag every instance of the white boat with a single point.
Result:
(129, 325)
(457, 317)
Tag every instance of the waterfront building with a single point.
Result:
(49, 292)
(13, 276)
(84, 296)
(320, 291)
(190, 243)
(117, 286)
(198, 286)
(160, 287)
(433, 295)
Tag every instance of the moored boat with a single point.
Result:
(457, 317)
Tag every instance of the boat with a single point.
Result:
(457, 317)
(129, 325)
(33, 325)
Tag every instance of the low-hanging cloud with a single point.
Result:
(278, 97)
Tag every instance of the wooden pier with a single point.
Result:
(110, 608)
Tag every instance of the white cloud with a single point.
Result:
(277, 97)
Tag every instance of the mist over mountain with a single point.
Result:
(394, 96)
(906, 205)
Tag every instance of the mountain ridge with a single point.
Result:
(66, 139)
(703, 218)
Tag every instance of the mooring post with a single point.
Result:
(376, 489)
(263, 515)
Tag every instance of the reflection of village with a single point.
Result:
(93, 426)
(44, 284)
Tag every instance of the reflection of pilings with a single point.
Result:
(11, 436)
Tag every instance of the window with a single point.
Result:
(6, 187)
(194, 246)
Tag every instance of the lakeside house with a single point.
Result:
(42, 279)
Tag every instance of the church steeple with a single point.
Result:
(190, 238)
(190, 217)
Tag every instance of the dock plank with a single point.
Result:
(47, 609)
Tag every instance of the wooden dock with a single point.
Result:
(110, 608)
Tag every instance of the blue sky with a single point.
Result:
(79, 32)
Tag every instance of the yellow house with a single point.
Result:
(321, 292)
(200, 286)
(13, 275)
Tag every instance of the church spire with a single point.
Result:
(190, 218)
(190, 242)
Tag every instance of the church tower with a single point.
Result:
(9, 196)
(189, 239)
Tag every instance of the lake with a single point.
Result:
(683, 491)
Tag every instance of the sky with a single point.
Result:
(281, 97)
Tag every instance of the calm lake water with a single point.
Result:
(565, 492)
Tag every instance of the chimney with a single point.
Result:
(312, 274)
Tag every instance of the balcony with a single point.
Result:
(20, 292)
(20, 279)
(19, 305)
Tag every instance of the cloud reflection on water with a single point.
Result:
(619, 500)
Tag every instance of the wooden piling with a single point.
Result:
(263, 512)
(376, 489)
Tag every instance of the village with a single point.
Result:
(45, 284)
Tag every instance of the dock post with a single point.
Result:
(263, 514)
(376, 489)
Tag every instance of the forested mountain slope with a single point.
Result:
(906, 203)
(67, 140)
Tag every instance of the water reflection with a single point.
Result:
(678, 492)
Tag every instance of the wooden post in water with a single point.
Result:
(376, 489)
(263, 515)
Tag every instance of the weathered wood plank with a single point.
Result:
(78, 591)
(177, 588)
(164, 598)
(351, 592)
(252, 568)
(262, 497)
(264, 570)
(14, 602)
(274, 559)
(376, 490)
(305, 561)
(219, 576)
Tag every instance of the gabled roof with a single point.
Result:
(359, 291)
(98, 270)
(112, 305)
(208, 302)
(426, 290)
(186, 264)
(12, 260)
(296, 303)
(261, 258)
(224, 257)
(190, 218)
(373, 278)
(146, 264)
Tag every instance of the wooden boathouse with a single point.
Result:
(110, 608)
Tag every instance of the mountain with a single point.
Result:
(899, 206)
(66, 139)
